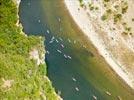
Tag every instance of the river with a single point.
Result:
(75, 68)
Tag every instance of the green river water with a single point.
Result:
(86, 73)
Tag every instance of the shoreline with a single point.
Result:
(79, 16)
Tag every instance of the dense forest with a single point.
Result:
(20, 77)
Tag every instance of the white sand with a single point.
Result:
(83, 21)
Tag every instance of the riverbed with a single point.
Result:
(75, 68)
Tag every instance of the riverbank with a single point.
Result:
(22, 65)
(38, 54)
(84, 21)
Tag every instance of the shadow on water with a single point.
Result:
(74, 66)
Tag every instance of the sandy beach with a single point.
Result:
(81, 17)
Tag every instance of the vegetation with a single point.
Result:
(124, 7)
(81, 3)
(133, 19)
(124, 33)
(20, 77)
(104, 17)
(92, 7)
(109, 11)
(116, 13)
(117, 17)
(106, 0)
(128, 29)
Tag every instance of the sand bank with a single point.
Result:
(82, 19)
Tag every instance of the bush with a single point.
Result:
(117, 17)
(104, 17)
(106, 0)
